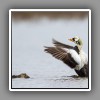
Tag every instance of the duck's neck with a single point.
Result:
(79, 47)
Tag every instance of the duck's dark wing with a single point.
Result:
(59, 44)
(62, 55)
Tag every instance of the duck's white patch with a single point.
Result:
(76, 38)
(75, 56)
(81, 58)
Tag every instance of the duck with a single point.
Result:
(72, 56)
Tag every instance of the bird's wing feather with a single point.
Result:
(56, 52)
(59, 44)
(62, 55)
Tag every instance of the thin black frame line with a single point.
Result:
(11, 50)
(49, 88)
(88, 49)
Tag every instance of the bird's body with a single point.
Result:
(74, 57)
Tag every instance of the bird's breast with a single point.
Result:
(84, 60)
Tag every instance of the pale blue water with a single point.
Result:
(28, 56)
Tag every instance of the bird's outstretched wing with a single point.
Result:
(62, 45)
(59, 44)
(63, 55)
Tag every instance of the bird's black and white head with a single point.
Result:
(77, 41)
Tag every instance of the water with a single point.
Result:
(28, 56)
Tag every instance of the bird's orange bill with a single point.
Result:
(70, 39)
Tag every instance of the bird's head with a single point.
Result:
(77, 41)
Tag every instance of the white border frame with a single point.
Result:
(60, 10)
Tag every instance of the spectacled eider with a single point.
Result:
(74, 57)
